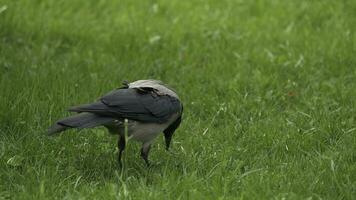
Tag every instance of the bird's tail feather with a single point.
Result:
(81, 120)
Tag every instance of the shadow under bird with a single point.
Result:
(148, 106)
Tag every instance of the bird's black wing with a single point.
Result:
(141, 104)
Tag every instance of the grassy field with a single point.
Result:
(269, 89)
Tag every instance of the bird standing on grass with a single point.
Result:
(148, 106)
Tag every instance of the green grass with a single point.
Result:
(269, 89)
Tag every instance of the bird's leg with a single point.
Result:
(121, 144)
(144, 152)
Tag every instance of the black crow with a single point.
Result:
(148, 106)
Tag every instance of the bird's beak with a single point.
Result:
(168, 139)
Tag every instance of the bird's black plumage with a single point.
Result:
(136, 104)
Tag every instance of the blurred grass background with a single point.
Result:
(268, 89)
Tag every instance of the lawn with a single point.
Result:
(268, 87)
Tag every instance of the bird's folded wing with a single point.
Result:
(134, 104)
